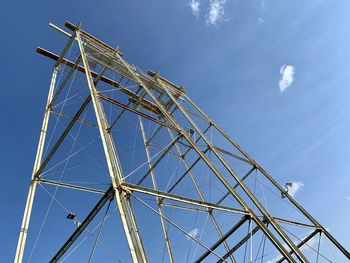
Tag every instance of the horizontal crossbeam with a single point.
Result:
(233, 155)
(136, 188)
(71, 186)
(104, 79)
(144, 115)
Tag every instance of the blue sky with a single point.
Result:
(273, 74)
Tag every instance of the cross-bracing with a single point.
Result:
(184, 190)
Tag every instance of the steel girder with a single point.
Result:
(156, 100)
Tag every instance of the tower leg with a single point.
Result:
(39, 154)
(115, 171)
(274, 182)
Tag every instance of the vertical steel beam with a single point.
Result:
(212, 218)
(160, 210)
(64, 82)
(268, 233)
(39, 154)
(134, 240)
(62, 137)
(230, 188)
(273, 181)
(124, 204)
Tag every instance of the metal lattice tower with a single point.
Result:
(126, 141)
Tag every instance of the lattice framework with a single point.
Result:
(214, 180)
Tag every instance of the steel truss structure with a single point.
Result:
(185, 191)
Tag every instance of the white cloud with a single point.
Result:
(348, 198)
(194, 4)
(287, 77)
(261, 20)
(296, 186)
(193, 233)
(216, 11)
(262, 3)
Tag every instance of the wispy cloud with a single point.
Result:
(296, 187)
(348, 198)
(261, 20)
(194, 4)
(287, 77)
(193, 233)
(262, 3)
(216, 11)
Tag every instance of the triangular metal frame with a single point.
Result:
(161, 113)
